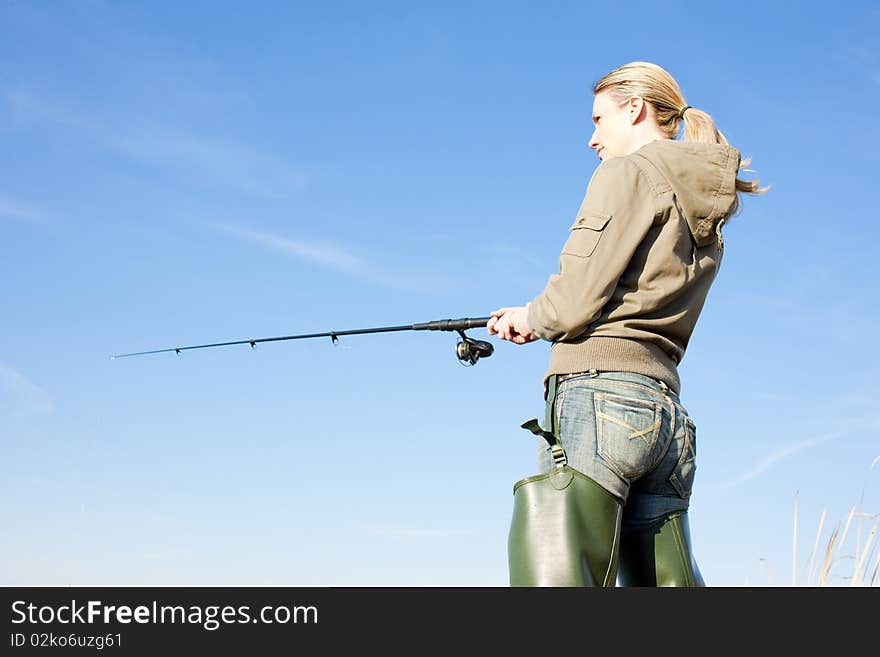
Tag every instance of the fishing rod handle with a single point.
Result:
(452, 324)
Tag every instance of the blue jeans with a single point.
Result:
(630, 434)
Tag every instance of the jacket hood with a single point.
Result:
(702, 177)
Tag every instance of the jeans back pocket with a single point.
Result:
(682, 477)
(627, 429)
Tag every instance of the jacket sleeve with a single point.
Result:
(616, 214)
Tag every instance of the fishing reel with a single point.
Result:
(469, 351)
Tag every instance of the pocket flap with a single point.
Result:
(592, 219)
(581, 242)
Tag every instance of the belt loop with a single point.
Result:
(672, 410)
(593, 373)
(668, 399)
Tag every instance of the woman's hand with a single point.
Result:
(511, 324)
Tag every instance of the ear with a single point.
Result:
(637, 109)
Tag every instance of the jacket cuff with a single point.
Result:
(534, 319)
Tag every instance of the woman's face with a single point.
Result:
(614, 125)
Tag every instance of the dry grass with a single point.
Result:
(860, 568)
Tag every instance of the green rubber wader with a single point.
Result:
(659, 555)
(565, 528)
(564, 531)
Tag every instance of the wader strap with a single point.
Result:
(550, 406)
(555, 448)
(532, 425)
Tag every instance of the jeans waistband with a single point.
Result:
(630, 377)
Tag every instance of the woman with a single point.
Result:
(633, 276)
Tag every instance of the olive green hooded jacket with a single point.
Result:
(639, 260)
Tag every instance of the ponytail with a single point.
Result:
(658, 88)
(699, 126)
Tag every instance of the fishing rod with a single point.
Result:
(467, 350)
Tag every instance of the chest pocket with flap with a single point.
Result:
(585, 233)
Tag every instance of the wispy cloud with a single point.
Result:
(223, 162)
(326, 254)
(854, 423)
(777, 457)
(23, 395)
(854, 412)
(330, 255)
(219, 162)
(16, 210)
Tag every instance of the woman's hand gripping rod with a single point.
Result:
(467, 350)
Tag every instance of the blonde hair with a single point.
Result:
(657, 87)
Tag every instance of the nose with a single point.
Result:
(594, 142)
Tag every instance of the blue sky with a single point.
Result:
(176, 174)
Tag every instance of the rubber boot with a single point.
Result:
(565, 529)
(564, 532)
(659, 555)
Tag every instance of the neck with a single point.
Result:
(643, 137)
